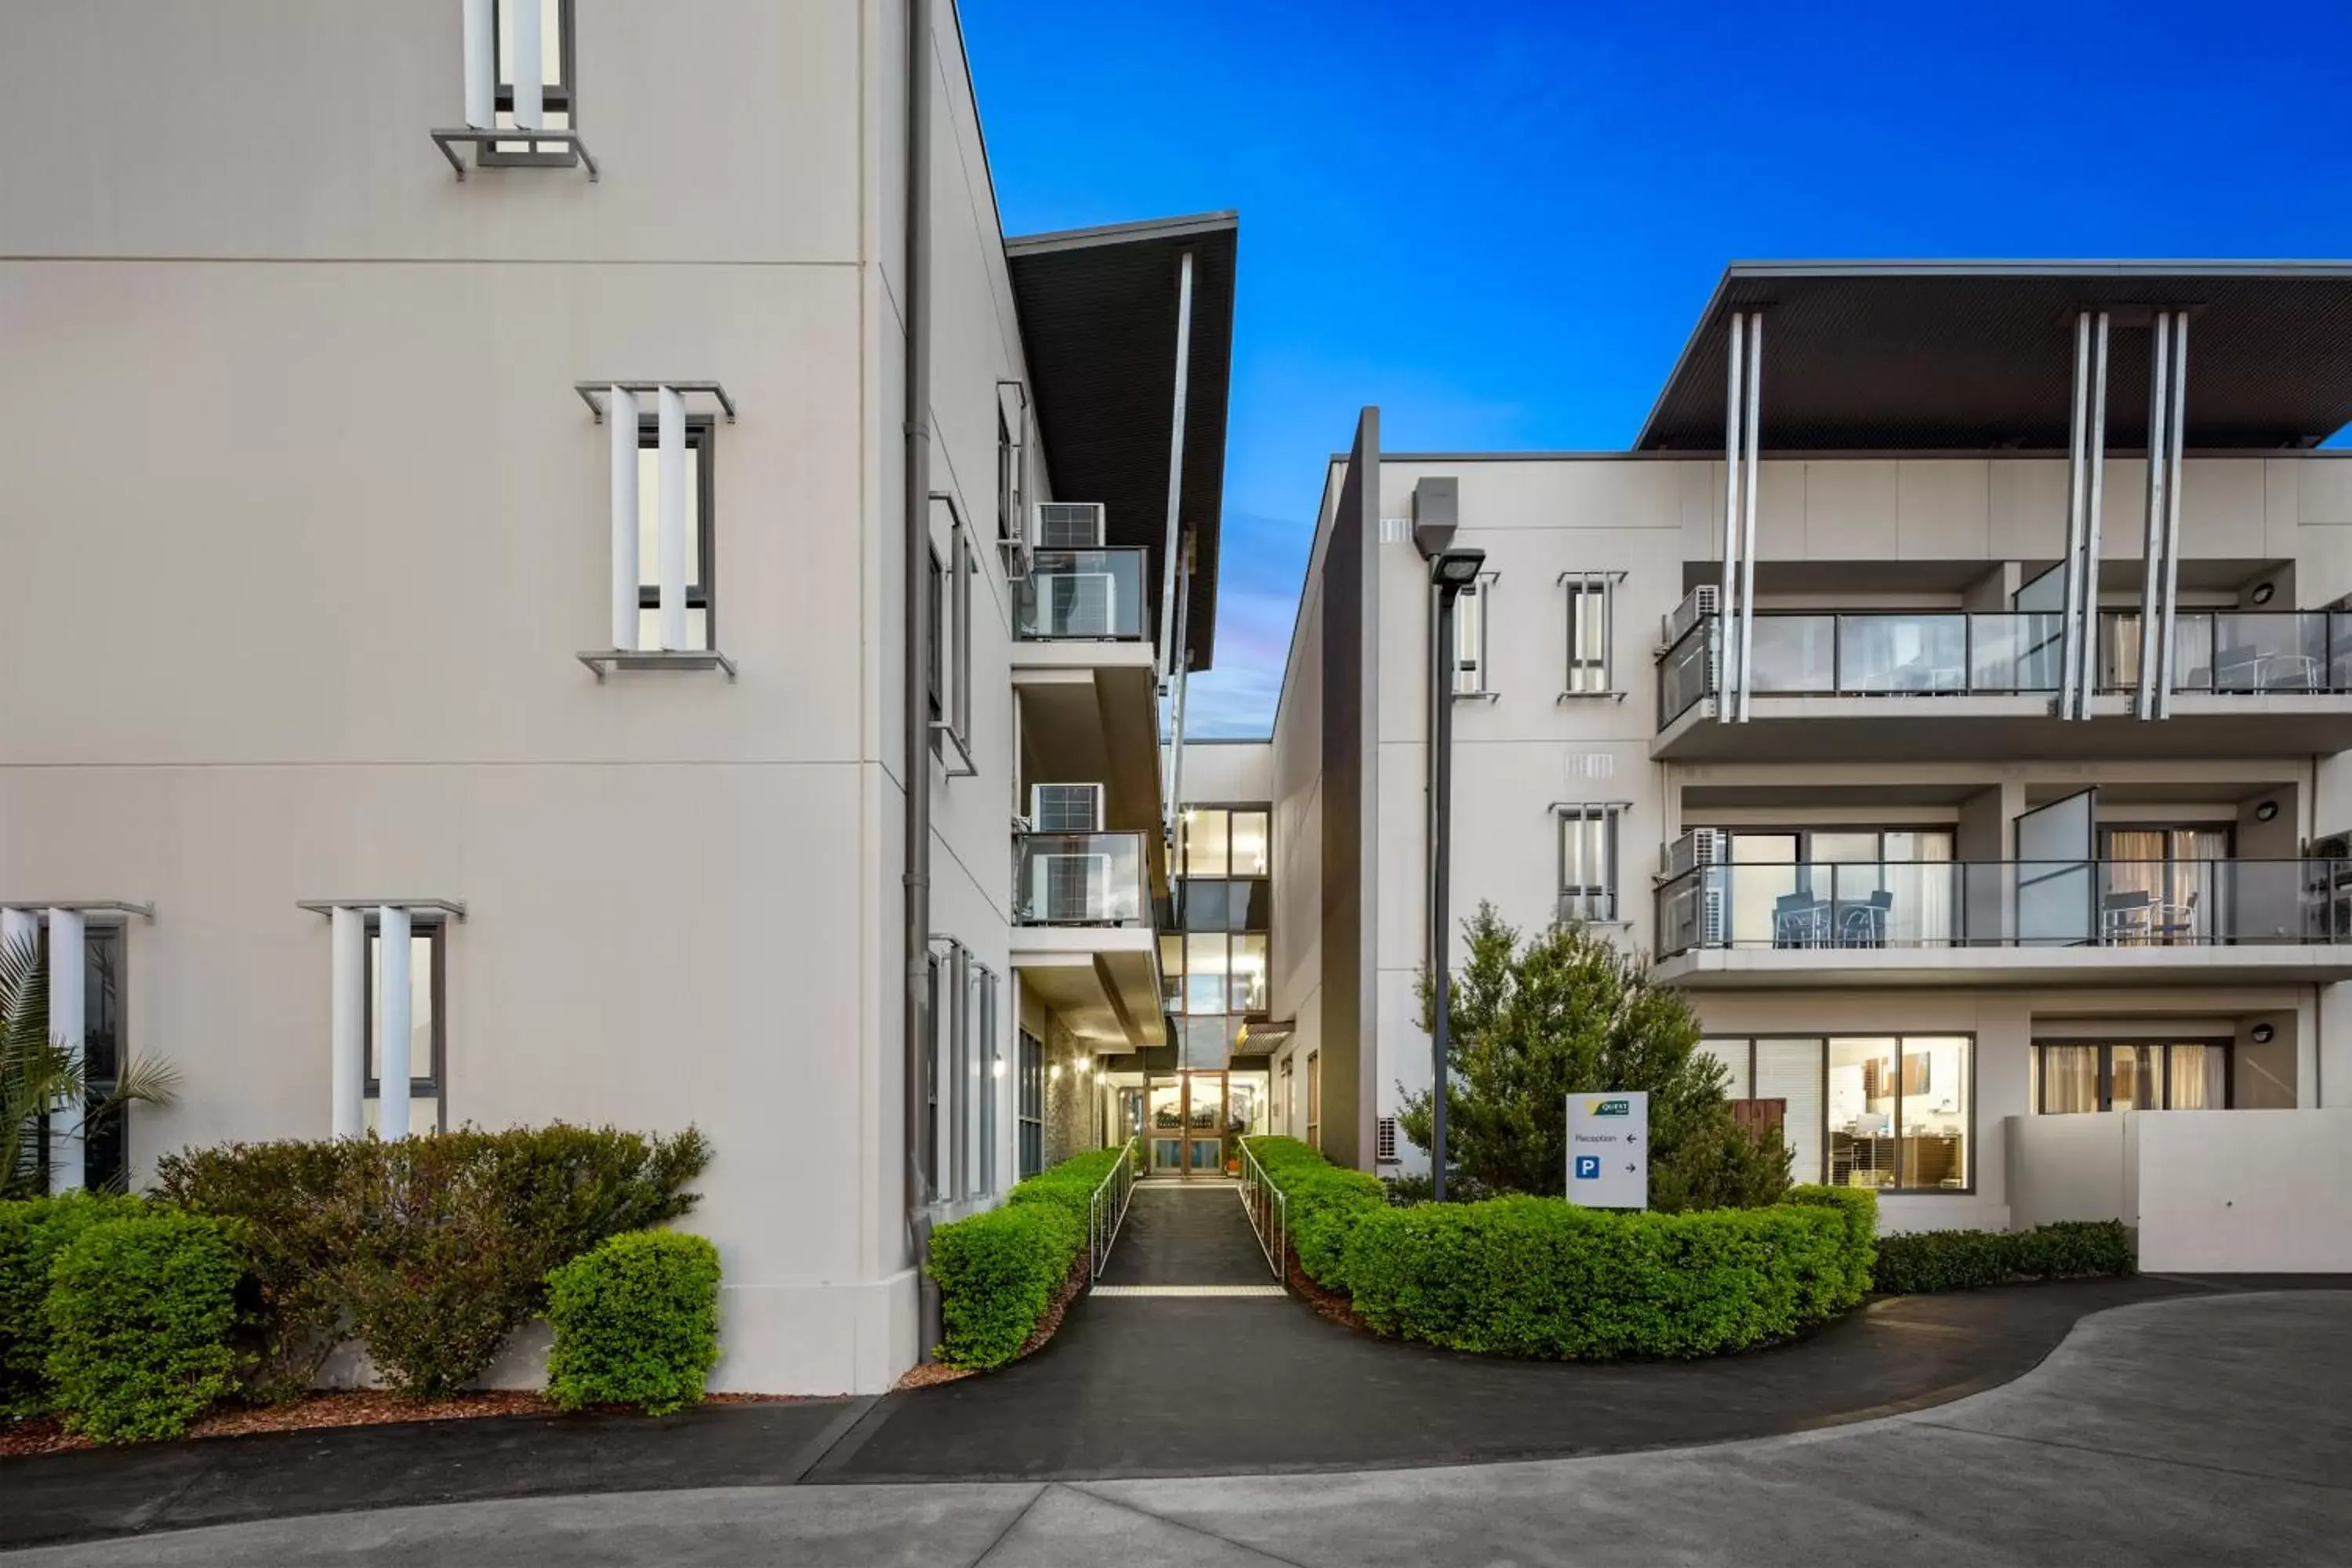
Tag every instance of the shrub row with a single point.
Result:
(429, 1251)
(33, 1232)
(1326, 1202)
(998, 1272)
(1915, 1262)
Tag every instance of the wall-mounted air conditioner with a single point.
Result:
(1699, 848)
(1069, 525)
(1069, 888)
(1698, 604)
(2332, 847)
(1065, 809)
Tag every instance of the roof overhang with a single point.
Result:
(1979, 355)
(1098, 323)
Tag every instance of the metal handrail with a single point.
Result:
(1268, 1207)
(1107, 1210)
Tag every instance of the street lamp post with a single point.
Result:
(1450, 573)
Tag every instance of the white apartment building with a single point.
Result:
(456, 488)
(1828, 697)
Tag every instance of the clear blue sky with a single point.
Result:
(1498, 220)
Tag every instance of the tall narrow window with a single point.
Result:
(701, 629)
(952, 643)
(991, 1062)
(935, 613)
(1471, 676)
(1587, 862)
(552, 52)
(1030, 1078)
(427, 1034)
(1592, 605)
(105, 1140)
(1315, 1100)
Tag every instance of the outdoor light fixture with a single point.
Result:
(2266, 812)
(2264, 593)
(1450, 572)
(1056, 1072)
(2261, 1034)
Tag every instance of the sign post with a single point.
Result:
(1609, 1150)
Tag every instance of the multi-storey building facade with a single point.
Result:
(459, 586)
(1842, 722)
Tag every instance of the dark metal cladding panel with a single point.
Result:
(1099, 317)
(1910, 357)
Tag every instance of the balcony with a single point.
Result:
(1083, 595)
(2006, 922)
(1951, 685)
(1083, 938)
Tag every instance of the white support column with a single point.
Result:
(1748, 487)
(620, 422)
(2093, 517)
(2159, 471)
(347, 940)
(2072, 636)
(669, 540)
(1728, 676)
(393, 1023)
(530, 88)
(2174, 443)
(19, 927)
(68, 1026)
(481, 66)
(1176, 464)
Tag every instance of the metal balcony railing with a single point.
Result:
(2005, 903)
(1937, 653)
(1083, 595)
(1081, 879)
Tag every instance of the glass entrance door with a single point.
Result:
(1188, 1116)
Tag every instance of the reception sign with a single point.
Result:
(1609, 1150)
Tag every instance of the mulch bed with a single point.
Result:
(1330, 1305)
(347, 1407)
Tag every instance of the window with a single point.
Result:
(927, 1172)
(553, 51)
(427, 1038)
(1470, 670)
(1289, 1101)
(1315, 1100)
(2165, 885)
(990, 1066)
(1587, 862)
(1029, 1079)
(701, 630)
(951, 669)
(2074, 1076)
(1384, 1141)
(935, 612)
(1894, 1112)
(1011, 461)
(1592, 628)
(105, 1142)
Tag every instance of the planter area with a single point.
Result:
(128, 1318)
(1005, 1275)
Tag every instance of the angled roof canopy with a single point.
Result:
(1910, 355)
(1098, 311)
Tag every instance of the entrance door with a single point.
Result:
(1187, 1115)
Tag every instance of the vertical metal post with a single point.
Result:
(1748, 507)
(1729, 676)
(2091, 521)
(1176, 463)
(2159, 414)
(1440, 788)
(2177, 439)
(2071, 636)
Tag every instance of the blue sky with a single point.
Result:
(1497, 221)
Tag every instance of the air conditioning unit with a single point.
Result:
(1714, 925)
(2334, 847)
(1696, 605)
(1699, 848)
(1072, 889)
(1078, 604)
(1069, 525)
(1065, 809)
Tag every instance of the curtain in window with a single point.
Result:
(2070, 1078)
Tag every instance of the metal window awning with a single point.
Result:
(84, 907)
(449, 907)
(450, 139)
(591, 393)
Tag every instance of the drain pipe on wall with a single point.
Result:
(914, 695)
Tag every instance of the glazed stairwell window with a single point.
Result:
(662, 453)
(1588, 861)
(1592, 630)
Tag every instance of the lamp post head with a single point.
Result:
(1455, 570)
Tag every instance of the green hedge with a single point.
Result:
(636, 1323)
(431, 1250)
(1326, 1202)
(1859, 1205)
(999, 1271)
(139, 1311)
(1543, 1278)
(1917, 1262)
(32, 1231)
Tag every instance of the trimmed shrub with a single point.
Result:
(139, 1311)
(32, 1231)
(1543, 1278)
(998, 1272)
(1326, 1202)
(636, 1323)
(432, 1250)
(1921, 1261)
(1859, 1205)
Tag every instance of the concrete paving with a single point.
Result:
(2208, 1429)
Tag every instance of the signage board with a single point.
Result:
(1609, 1150)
